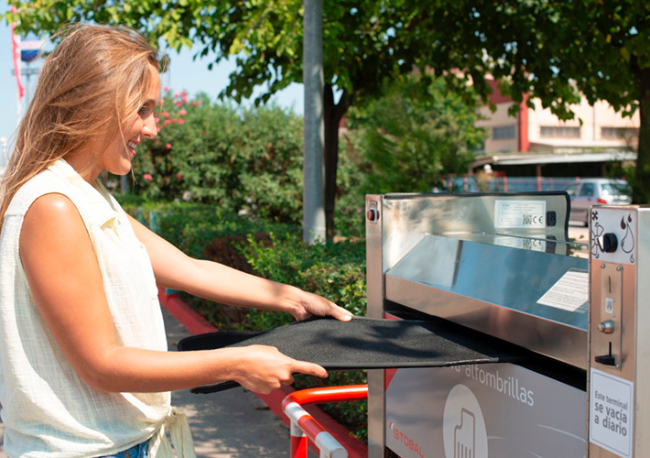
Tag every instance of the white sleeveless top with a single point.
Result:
(47, 409)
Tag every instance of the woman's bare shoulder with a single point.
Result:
(52, 216)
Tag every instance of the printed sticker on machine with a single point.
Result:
(610, 413)
(520, 213)
(571, 292)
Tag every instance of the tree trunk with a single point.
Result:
(333, 114)
(641, 186)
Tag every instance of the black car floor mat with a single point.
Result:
(365, 343)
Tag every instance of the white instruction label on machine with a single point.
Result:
(571, 292)
(610, 413)
(520, 213)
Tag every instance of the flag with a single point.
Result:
(15, 53)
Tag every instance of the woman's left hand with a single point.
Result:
(311, 304)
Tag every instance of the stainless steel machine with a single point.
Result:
(501, 266)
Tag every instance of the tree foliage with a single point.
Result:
(249, 161)
(366, 44)
(414, 135)
(548, 50)
(557, 52)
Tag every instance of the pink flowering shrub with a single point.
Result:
(244, 160)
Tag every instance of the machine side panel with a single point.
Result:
(375, 295)
(642, 395)
(618, 327)
(481, 411)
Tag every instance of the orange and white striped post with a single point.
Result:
(303, 425)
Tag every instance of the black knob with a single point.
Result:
(610, 242)
(607, 360)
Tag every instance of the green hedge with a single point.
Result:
(193, 227)
(273, 251)
(335, 271)
(245, 160)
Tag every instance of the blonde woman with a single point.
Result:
(84, 367)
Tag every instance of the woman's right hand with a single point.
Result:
(263, 369)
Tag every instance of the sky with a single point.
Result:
(184, 74)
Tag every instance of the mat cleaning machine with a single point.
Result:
(501, 266)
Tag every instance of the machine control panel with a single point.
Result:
(606, 343)
(613, 331)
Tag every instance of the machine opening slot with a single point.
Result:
(549, 367)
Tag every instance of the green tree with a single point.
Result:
(414, 135)
(556, 51)
(547, 50)
(612, 63)
(365, 44)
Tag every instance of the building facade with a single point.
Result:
(535, 136)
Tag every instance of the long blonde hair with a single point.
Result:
(93, 81)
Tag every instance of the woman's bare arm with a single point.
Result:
(223, 284)
(66, 283)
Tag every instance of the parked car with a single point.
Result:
(596, 191)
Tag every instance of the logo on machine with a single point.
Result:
(405, 440)
(464, 431)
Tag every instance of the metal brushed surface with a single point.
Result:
(642, 350)
(407, 219)
(510, 278)
(564, 343)
(634, 322)
(375, 307)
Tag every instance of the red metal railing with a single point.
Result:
(303, 425)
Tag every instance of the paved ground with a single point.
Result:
(578, 232)
(231, 424)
